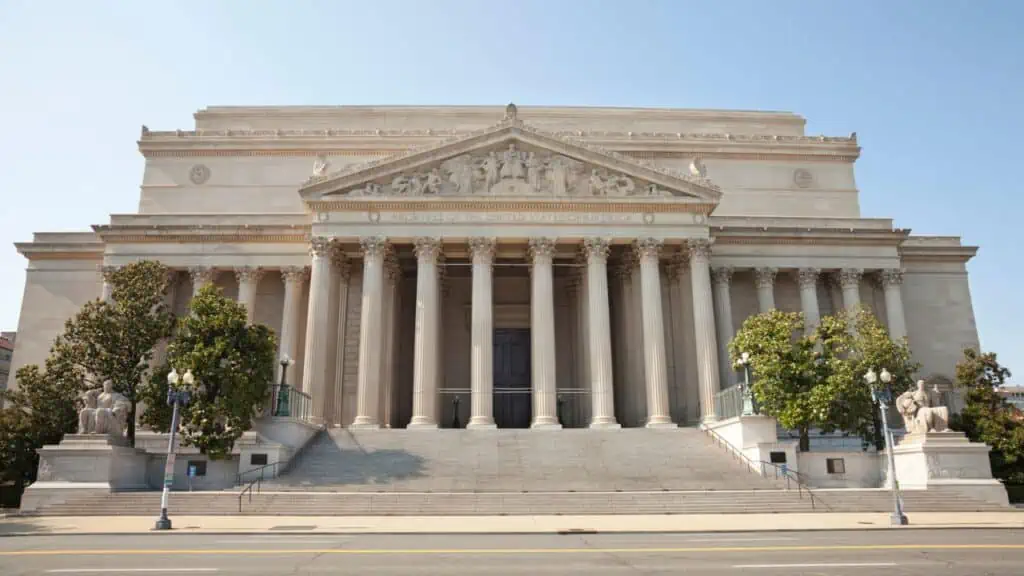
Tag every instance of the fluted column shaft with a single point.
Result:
(339, 292)
(293, 278)
(370, 334)
(722, 278)
(482, 353)
(389, 314)
(201, 277)
(655, 368)
(704, 326)
(248, 280)
(318, 323)
(601, 387)
(849, 281)
(808, 280)
(542, 332)
(892, 284)
(764, 281)
(425, 347)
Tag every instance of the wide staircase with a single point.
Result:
(514, 472)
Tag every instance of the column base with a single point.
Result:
(604, 425)
(481, 423)
(364, 423)
(661, 424)
(423, 424)
(545, 425)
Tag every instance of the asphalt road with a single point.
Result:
(926, 552)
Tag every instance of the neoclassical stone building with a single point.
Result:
(492, 266)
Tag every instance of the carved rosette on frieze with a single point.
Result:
(850, 277)
(722, 274)
(202, 274)
(427, 249)
(648, 248)
(542, 249)
(596, 248)
(294, 274)
(808, 277)
(248, 274)
(765, 277)
(319, 246)
(700, 250)
(374, 246)
(891, 277)
(483, 250)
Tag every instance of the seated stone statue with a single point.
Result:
(87, 413)
(104, 411)
(921, 411)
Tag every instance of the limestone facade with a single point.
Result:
(545, 266)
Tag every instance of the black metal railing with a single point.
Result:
(287, 402)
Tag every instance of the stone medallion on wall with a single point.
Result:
(803, 178)
(199, 174)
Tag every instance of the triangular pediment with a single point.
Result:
(509, 159)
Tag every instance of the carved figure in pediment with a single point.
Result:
(558, 174)
(320, 165)
(653, 190)
(512, 164)
(462, 175)
(490, 167)
(432, 183)
(407, 186)
(698, 169)
(534, 166)
(598, 186)
(619, 185)
(371, 189)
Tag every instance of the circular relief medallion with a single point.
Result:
(323, 216)
(199, 174)
(803, 178)
(699, 218)
(374, 216)
(648, 218)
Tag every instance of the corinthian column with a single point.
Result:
(248, 279)
(425, 347)
(704, 326)
(655, 371)
(764, 281)
(370, 334)
(723, 315)
(892, 283)
(293, 277)
(392, 278)
(849, 281)
(542, 331)
(339, 293)
(482, 353)
(808, 279)
(601, 388)
(318, 324)
(201, 277)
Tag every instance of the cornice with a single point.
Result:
(486, 204)
(203, 233)
(807, 236)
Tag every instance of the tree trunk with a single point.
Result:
(131, 426)
(805, 440)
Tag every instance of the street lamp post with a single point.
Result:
(282, 408)
(883, 395)
(748, 400)
(177, 399)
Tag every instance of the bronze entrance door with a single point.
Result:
(512, 407)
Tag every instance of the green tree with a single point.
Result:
(804, 381)
(873, 349)
(233, 366)
(987, 417)
(115, 340)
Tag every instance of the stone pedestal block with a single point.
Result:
(946, 460)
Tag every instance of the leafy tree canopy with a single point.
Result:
(233, 366)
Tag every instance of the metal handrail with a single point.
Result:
(274, 465)
(248, 489)
(758, 467)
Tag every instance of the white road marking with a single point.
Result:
(98, 570)
(265, 541)
(735, 539)
(825, 565)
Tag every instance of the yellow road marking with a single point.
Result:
(497, 551)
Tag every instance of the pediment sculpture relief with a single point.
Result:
(511, 172)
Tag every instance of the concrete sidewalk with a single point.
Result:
(29, 525)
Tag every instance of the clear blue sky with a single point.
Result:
(933, 88)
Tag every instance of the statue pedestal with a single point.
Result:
(83, 463)
(947, 461)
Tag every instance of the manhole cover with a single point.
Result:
(291, 527)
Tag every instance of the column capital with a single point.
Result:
(427, 249)
(891, 277)
(373, 246)
(764, 277)
(596, 247)
(319, 246)
(722, 274)
(482, 249)
(202, 274)
(248, 273)
(648, 247)
(700, 249)
(542, 248)
(294, 274)
(808, 277)
(850, 277)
